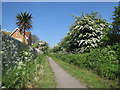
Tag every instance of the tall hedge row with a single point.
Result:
(104, 61)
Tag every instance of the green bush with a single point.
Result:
(104, 61)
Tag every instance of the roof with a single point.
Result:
(27, 34)
(7, 33)
(14, 31)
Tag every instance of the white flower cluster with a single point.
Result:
(86, 32)
(14, 60)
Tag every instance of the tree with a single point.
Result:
(24, 22)
(114, 35)
(56, 49)
(116, 19)
(0, 27)
(35, 39)
(85, 33)
(44, 47)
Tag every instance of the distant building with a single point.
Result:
(8, 33)
(20, 36)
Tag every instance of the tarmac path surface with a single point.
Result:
(64, 79)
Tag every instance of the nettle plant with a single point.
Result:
(85, 33)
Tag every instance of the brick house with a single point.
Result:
(20, 36)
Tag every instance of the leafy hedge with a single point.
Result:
(104, 61)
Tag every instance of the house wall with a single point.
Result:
(30, 40)
(17, 35)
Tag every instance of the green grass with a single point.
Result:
(44, 78)
(47, 79)
(88, 78)
(31, 74)
(0, 73)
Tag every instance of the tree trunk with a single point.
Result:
(24, 35)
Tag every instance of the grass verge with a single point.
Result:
(86, 77)
(44, 77)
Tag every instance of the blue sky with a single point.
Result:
(51, 20)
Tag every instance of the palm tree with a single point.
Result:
(24, 22)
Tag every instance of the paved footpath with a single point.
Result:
(63, 79)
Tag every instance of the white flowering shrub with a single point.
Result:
(18, 63)
(9, 52)
(85, 33)
(41, 47)
(23, 73)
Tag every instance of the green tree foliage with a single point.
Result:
(35, 39)
(116, 19)
(56, 49)
(24, 22)
(113, 36)
(85, 33)
(44, 47)
(0, 27)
